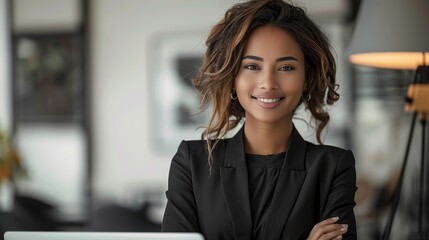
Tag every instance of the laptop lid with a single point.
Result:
(100, 236)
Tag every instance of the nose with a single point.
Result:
(268, 81)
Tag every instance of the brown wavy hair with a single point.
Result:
(225, 46)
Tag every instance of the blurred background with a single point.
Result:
(96, 95)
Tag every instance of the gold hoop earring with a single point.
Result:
(233, 95)
(306, 97)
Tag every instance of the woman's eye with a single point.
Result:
(287, 68)
(251, 67)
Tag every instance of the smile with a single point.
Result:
(268, 100)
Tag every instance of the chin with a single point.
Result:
(267, 119)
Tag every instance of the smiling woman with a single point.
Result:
(263, 60)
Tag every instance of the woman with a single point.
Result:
(263, 59)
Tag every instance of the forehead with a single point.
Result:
(271, 41)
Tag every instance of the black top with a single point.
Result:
(264, 170)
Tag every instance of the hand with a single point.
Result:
(328, 229)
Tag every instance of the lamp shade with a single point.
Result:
(391, 34)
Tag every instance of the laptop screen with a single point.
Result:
(100, 236)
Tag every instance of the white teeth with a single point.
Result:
(268, 100)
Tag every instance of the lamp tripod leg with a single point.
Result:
(422, 177)
(421, 235)
(387, 229)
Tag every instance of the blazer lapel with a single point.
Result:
(234, 178)
(291, 178)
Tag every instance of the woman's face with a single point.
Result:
(271, 78)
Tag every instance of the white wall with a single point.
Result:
(56, 162)
(5, 96)
(46, 15)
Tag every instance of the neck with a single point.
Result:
(267, 138)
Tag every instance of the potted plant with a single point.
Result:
(11, 168)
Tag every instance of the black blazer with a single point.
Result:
(315, 183)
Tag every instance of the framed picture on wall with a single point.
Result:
(47, 84)
(174, 60)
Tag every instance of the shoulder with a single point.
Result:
(195, 152)
(331, 155)
(188, 150)
(325, 149)
(200, 146)
(192, 145)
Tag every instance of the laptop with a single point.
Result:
(100, 236)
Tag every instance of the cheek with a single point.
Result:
(294, 88)
(242, 85)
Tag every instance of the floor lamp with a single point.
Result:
(394, 34)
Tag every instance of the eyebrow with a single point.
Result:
(277, 60)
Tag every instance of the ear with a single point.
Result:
(305, 86)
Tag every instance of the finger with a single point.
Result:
(326, 222)
(322, 223)
(336, 233)
(329, 221)
(328, 229)
(331, 228)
